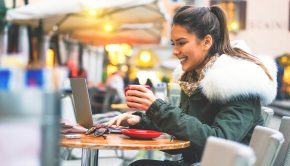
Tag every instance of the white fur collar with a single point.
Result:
(232, 77)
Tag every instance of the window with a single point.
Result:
(13, 39)
(235, 11)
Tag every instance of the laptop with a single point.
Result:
(82, 104)
(83, 112)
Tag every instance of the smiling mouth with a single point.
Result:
(182, 60)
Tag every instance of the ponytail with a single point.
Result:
(224, 46)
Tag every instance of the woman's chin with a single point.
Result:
(184, 68)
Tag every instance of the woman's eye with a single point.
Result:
(181, 43)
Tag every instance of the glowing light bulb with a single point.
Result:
(108, 27)
(94, 12)
(145, 56)
(234, 26)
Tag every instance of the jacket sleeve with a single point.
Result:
(234, 120)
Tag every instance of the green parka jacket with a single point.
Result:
(227, 104)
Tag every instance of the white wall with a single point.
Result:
(267, 27)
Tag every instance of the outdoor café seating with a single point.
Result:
(266, 143)
(283, 157)
(211, 67)
(267, 114)
(236, 154)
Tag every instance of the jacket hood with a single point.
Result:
(232, 77)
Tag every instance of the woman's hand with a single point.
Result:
(125, 119)
(139, 97)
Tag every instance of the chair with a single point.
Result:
(226, 153)
(267, 114)
(284, 154)
(266, 143)
(111, 96)
(287, 158)
(97, 96)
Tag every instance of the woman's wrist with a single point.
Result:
(154, 107)
(138, 125)
(138, 113)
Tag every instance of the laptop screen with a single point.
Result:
(82, 104)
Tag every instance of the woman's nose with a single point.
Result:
(175, 51)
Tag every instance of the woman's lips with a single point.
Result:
(182, 60)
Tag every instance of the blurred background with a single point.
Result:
(45, 42)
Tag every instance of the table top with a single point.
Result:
(120, 141)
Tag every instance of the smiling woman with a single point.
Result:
(222, 88)
(188, 48)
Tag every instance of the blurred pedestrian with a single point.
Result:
(126, 79)
(116, 81)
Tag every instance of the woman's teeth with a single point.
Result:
(182, 59)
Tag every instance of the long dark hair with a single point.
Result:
(204, 21)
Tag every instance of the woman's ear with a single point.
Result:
(207, 42)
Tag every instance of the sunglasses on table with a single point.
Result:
(98, 132)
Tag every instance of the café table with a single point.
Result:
(90, 145)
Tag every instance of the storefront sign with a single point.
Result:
(268, 24)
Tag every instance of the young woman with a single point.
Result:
(223, 88)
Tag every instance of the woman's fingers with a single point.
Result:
(136, 93)
(125, 119)
(136, 102)
(143, 95)
(136, 99)
(111, 122)
(119, 120)
(114, 120)
(139, 88)
(138, 106)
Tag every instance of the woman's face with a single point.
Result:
(187, 48)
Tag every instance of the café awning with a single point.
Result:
(136, 22)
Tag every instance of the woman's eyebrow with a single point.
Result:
(179, 39)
